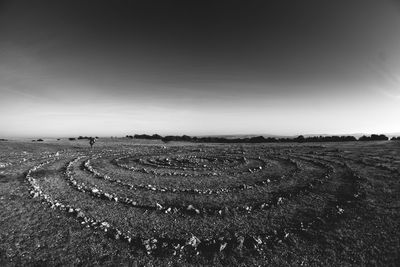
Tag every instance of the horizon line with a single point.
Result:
(389, 134)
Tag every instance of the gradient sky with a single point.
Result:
(199, 67)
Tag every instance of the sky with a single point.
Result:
(112, 68)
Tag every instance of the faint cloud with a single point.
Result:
(388, 80)
(24, 94)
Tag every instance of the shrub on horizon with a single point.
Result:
(374, 137)
(300, 139)
(148, 137)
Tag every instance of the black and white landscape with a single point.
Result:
(191, 133)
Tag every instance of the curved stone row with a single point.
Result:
(351, 180)
(160, 245)
(336, 210)
(379, 166)
(274, 199)
(190, 209)
(36, 190)
(185, 170)
(23, 159)
(149, 186)
(161, 189)
(5, 164)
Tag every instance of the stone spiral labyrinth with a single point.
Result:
(203, 201)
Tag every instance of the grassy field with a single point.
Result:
(148, 203)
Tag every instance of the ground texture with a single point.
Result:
(147, 203)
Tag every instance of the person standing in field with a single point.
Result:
(92, 141)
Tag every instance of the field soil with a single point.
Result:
(147, 203)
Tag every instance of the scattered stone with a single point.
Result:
(194, 241)
(258, 240)
(105, 225)
(339, 210)
(223, 246)
(80, 215)
(159, 206)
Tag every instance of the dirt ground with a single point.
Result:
(132, 202)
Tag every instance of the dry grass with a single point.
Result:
(280, 204)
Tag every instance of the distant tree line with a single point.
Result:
(395, 138)
(145, 136)
(374, 137)
(260, 139)
(86, 137)
(81, 138)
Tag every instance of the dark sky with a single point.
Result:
(199, 67)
